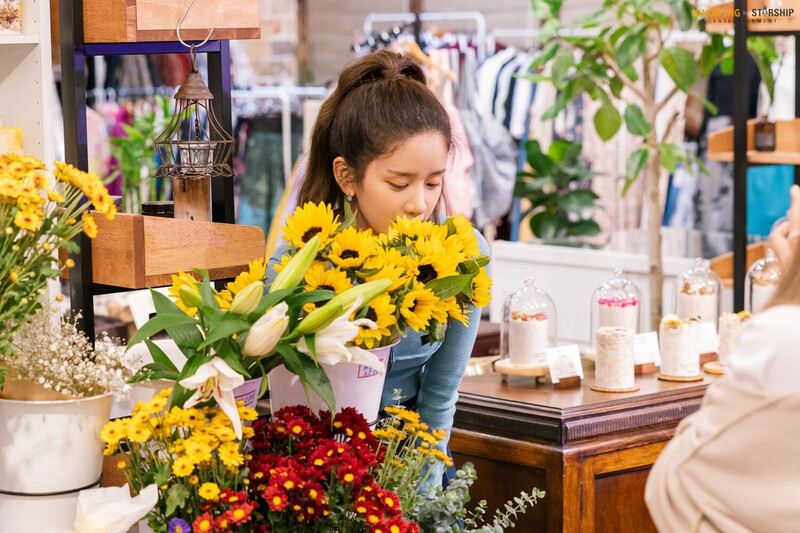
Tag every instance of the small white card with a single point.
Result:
(707, 337)
(564, 362)
(645, 349)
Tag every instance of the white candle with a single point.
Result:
(614, 316)
(701, 307)
(614, 364)
(760, 296)
(527, 342)
(680, 356)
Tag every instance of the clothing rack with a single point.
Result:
(284, 95)
(103, 95)
(441, 16)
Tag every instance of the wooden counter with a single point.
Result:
(590, 451)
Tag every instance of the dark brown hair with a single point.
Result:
(381, 100)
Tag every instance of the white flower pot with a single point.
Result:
(49, 451)
(353, 386)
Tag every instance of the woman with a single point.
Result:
(735, 464)
(382, 143)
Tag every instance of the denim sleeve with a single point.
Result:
(438, 390)
(274, 260)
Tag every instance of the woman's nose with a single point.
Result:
(415, 203)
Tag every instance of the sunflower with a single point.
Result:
(381, 311)
(481, 285)
(255, 272)
(310, 220)
(417, 307)
(456, 311)
(466, 236)
(434, 261)
(351, 247)
(333, 279)
(182, 278)
(391, 265)
(411, 228)
(284, 261)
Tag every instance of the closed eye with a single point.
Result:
(397, 187)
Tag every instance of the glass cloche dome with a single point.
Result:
(616, 303)
(529, 326)
(698, 294)
(762, 281)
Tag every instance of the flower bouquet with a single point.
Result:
(436, 270)
(242, 333)
(38, 217)
(194, 458)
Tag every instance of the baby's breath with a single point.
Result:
(58, 356)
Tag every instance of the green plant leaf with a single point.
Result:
(319, 295)
(231, 324)
(546, 225)
(177, 495)
(680, 65)
(310, 374)
(707, 104)
(630, 49)
(587, 228)
(158, 324)
(636, 162)
(577, 201)
(547, 53)
(224, 351)
(160, 357)
(607, 120)
(671, 154)
(616, 86)
(205, 290)
(186, 336)
(683, 14)
(726, 63)
(540, 163)
(449, 286)
(269, 300)
(561, 65)
(161, 473)
(708, 59)
(635, 121)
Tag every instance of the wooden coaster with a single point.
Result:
(680, 379)
(715, 367)
(708, 357)
(505, 368)
(603, 389)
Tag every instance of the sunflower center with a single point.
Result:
(325, 287)
(372, 315)
(310, 232)
(426, 274)
(349, 254)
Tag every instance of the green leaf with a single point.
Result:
(444, 288)
(268, 301)
(683, 14)
(177, 495)
(312, 346)
(707, 104)
(156, 371)
(159, 356)
(708, 59)
(186, 336)
(224, 351)
(540, 163)
(584, 227)
(680, 65)
(545, 225)
(726, 63)
(607, 120)
(616, 86)
(671, 154)
(547, 53)
(615, 36)
(158, 324)
(319, 295)
(310, 374)
(205, 290)
(162, 473)
(230, 325)
(636, 162)
(561, 65)
(635, 121)
(577, 201)
(630, 49)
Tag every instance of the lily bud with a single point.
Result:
(267, 331)
(190, 296)
(246, 301)
(367, 291)
(319, 318)
(295, 270)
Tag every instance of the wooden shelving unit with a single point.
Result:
(787, 148)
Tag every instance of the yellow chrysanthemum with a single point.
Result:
(351, 248)
(309, 220)
(255, 272)
(407, 416)
(434, 261)
(248, 432)
(114, 431)
(481, 289)
(8, 187)
(29, 191)
(41, 180)
(54, 196)
(199, 448)
(182, 278)
(417, 306)
(229, 454)
(333, 279)
(27, 220)
(208, 491)
(155, 405)
(224, 433)
(89, 225)
(247, 414)
(381, 311)
(183, 466)
(139, 432)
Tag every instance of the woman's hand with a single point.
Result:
(783, 239)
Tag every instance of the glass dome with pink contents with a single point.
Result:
(528, 327)
(616, 303)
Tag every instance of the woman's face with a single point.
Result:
(407, 182)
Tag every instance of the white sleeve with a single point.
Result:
(767, 354)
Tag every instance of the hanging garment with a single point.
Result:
(679, 205)
(487, 79)
(494, 169)
(713, 199)
(524, 91)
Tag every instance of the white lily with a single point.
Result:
(216, 379)
(112, 509)
(267, 331)
(330, 342)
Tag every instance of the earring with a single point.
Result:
(349, 198)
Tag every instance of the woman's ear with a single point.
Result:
(344, 176)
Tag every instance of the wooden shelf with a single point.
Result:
(723, 265)
(136, 252)
(760, 24)
(787, 144)
(132, 21)
(18, 39)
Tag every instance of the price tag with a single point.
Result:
(564, 362)
(707, 337)
(645, 349)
